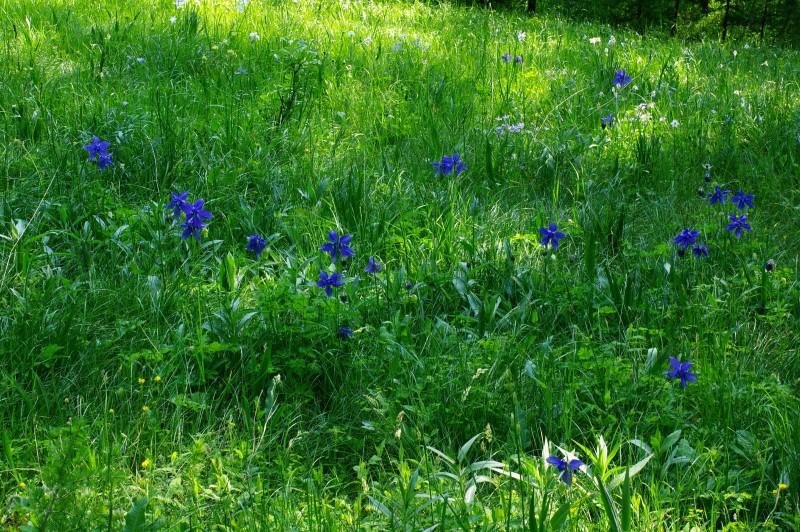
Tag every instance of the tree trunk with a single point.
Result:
(726, 19)
(763, 22)
(674, 28)
(640, 15)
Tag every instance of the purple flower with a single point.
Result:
(506, 57)
(769, 266)
(607, 121)
(518, 59)
(338, 247)
(738, 225)
(742, 200)
(373, 266)
(344, 333)
(686, 238)
(718, 196)
(256, 244)
(566, 468)
(329, 282)
(177, 203)
(700, 250)
(98, 152)
(449, 165)
(621, 78)
(550, 235)
(196, 218)
(681, 370)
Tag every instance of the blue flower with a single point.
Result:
(738, 224)
(256, 244)
(621, 78)
(506, 57)
(449, 164)
(196, 218)
(96, 147)
(550, 235)
(700, 250)
(681, 370)
(329, 282)
(607, 121)
(718, 196)
(686, 238)
(177, 203)
(104, 161)
(566, 468)
(338, 247)
(742, 200)
(518, 59)
(98, 152)
(373, 266)
(344, 333)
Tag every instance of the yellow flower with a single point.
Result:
(145, 409)
(781, 487)
(173, 456)
(22, 485)
(157, 378)
(147, 463)
(141, 380)
(111, 411)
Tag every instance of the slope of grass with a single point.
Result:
(148, 381)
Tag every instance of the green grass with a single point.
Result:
(147, 381)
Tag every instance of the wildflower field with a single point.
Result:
(345, 265)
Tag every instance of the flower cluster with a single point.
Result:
(567, 466)
(688, 238)
(621, 78)
(196, 216)
(550, 236)
(338, 246)
(681, 370)
(507, 57)
(98, 152)
(449, 164)
(256, 244)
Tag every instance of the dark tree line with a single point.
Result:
(776, 21)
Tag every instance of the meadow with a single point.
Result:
(344, 265)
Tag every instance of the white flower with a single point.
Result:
(521, 36)
(367, 41)
(254, 36)
(351, 34)
(674, 123)
(612, 41)
(735, 53)
(241, 4)
(173, 20)
(594, 40)
(396, 47)
(180, 3)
